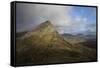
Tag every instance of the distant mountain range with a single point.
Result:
(86, 36)
(45, 45)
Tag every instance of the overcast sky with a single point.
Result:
(66, 19)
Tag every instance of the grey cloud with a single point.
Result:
(30, 15)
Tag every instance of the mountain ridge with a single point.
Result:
(45, 45)
(46, 32)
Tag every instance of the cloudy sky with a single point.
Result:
(66, 19)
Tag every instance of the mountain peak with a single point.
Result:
(45, 26)
(45, 35)
(46, 23)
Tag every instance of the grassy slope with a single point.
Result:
(36, 52)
